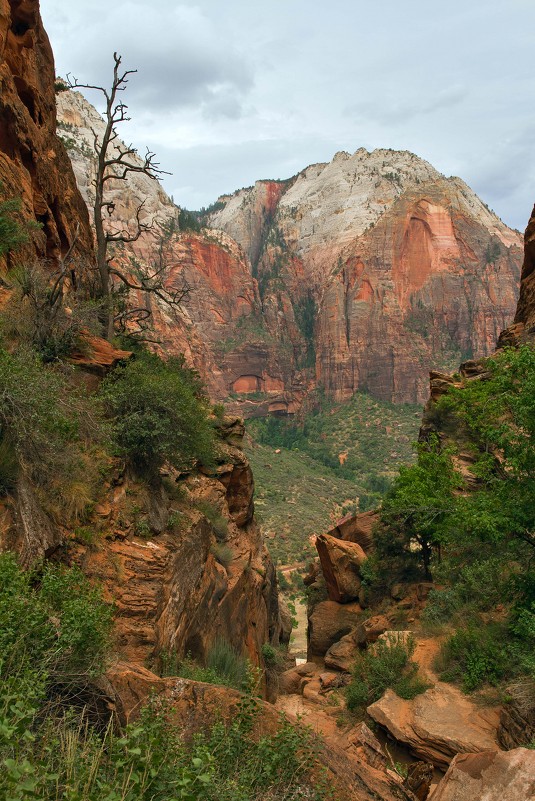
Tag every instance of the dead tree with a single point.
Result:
(115, 161)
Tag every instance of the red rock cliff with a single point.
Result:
(33, 161)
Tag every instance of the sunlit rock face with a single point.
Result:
(359, 274)
(33, 162)
(399, 268)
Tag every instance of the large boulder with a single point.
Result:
(489, 776)
(328, 623)
(340, 564)
(438, 724)
(341, 655)
(357, 528)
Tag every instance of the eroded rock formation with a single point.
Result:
(33, 163)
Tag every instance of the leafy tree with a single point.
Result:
(159, 413)
(416, 511)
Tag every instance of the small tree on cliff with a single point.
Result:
(115, 162)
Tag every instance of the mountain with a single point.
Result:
(358, 274)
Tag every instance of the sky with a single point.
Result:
(231, 91)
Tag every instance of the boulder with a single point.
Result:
(489, 776)
(438, 724)
(291, 682)
(328, 623)
(340, 564)
(370, 630)
(341, 655)
(356, 528)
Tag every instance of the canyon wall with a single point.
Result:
(358, 274)
(33, 163)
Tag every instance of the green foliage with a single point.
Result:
(271, 656)
(475, 656)
(218, 521)
(224, 666)
(387, 664)
(58, 628)
(158, 413)
(416, 511)
(45, 428)
(223, 553)
(13, 232)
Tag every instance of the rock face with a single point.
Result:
(356, 274)
(33, 161)
(386, 265)
(184, 583)
(489, 776)
(523, 328)
(328, 623)
(438, 724)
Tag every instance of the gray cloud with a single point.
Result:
(232, 91)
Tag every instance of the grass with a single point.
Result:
(304, 488)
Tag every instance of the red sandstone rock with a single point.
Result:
(357, 528)
(340, 564)
(33, 162)
(437, 724)
(328, 623)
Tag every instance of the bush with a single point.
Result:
(218, 522)
(45, 433)
(476, 656)
(223, 554)
(387, 664)
(158, 413)
(60, 626)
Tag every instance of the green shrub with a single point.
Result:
(46, 428)
(158, 413)
(227, 663)
(387, 664)
(13, 232)
(223, 554)
(474, 656)
(223, 666)
(218, 522)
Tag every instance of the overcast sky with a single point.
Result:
(230, 91)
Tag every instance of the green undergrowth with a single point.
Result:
(57, 742)
(386, 664)
(474, 538)
(339, 460)
(223, 666)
